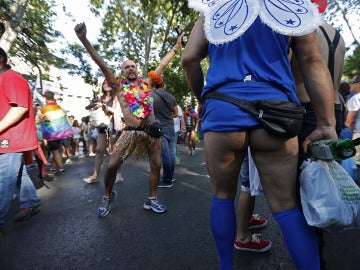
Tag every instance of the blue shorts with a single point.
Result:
(222, 116)
(65, 142)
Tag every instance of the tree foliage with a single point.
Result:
(141, 30)
(34, 29)
(144, 31)
(352, 65)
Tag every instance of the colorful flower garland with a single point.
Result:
(140, 104)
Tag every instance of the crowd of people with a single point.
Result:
(138, 116)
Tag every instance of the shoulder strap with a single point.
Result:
(163, 100)
(242, 103)
(332, 48)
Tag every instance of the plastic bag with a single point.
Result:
(94, 133)
(329, 197)
(255, 185)
(98, 118)
(182, 138)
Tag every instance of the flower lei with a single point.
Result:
(140, 104)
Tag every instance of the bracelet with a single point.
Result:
(175, 50)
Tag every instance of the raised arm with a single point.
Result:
(80, 30)
(194, 52)
(169, 56)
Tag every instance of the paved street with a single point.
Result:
(67, 234)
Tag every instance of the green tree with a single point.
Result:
(28, 31)
(352, 64)
(144, 31)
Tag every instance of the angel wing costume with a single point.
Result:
(225, 20)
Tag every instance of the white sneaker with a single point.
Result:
(119, 178)
(90, 180)
(92, 155)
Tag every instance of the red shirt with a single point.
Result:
(15, 91)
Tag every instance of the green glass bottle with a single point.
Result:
(332, 149)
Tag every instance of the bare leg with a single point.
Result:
(189, 142)
(192, 140)
(114, 165)
(155, 165)
(57, 161)
(224, 154)
(99, 158)
(245, 208)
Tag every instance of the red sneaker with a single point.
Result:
(254, 245)
(257, 222)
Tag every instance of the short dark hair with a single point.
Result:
(3, 54)
(344, 88)
(49, 95)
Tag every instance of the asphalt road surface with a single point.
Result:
(67, 234)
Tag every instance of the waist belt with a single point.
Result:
(134, 128)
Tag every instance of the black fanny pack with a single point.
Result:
(279, 118)
(153, 130)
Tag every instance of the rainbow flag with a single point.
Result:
(56, 126)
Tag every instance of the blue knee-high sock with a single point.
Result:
(300, 239)
(223, 226)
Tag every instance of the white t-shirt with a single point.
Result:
(77, 132)
(354, 105)
(177, 120)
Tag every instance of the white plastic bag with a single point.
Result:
(329, 197)
(255, 185)
(98, 118)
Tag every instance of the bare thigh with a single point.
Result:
(276, 160)
(224, 153)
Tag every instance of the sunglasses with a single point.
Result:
(353, 82)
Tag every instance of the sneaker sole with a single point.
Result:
(253, 250)
(166, 186)
(148, 207)
(258, 226)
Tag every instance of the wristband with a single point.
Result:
(175, 50)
